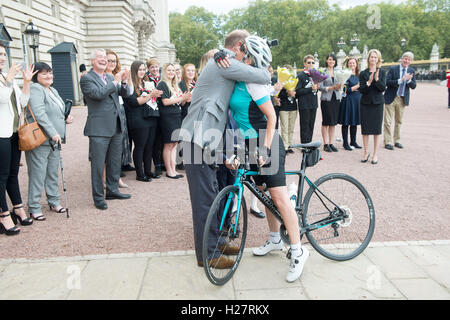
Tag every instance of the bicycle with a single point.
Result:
(337, 224)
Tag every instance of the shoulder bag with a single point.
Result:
(31, 135)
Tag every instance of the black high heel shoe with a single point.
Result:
(15, 217)
(9, 232)
(367, 159)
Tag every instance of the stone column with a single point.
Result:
(364, 57)
(434, 57)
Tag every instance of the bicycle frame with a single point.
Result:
(241, 181)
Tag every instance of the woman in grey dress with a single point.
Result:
(43, 161)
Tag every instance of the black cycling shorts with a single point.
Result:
(273, 176)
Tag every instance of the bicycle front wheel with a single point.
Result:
(224, 236)
(340, 219)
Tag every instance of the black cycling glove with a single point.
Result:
(219, 56)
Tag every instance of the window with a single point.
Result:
(26, 2)
(55, 9)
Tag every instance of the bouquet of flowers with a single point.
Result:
(287, 78)
(317, 75)
(290, 84)
(343, 75)
(283, 75)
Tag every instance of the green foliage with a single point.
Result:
(308, 26)
(194, 33)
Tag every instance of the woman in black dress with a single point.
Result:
(349, 114)
(372, 82)
(330, 102)
(187, 84)
(142, 120)
(170, 116)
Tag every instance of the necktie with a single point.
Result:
(401, 89)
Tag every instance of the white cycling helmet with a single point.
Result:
(258, 48)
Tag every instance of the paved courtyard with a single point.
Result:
(409, 188)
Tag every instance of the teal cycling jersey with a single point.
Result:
(244, 106)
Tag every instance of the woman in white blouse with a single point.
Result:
(12, 100)
(43, 161)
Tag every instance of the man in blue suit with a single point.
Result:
(400, 79)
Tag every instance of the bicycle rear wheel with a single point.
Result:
(225, 227)
(342, 230)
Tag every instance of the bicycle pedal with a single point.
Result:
(289, 254)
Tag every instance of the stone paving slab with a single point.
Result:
(268, 272)
(293, 293)
(38, 281)
(435, 261)
(358, 278)
(110, 279)
(179, 277)
(423, 289)
(394, 264)
(383, 271)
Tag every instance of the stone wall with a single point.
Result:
(135, 29)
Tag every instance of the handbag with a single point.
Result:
(31, 135)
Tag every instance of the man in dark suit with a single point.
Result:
(104, 127)
(202, 131)
(400, 79)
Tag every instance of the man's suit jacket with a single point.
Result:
(307, 99)
(392, 84)
(372, 94)
(48, 111)
(211, 97)
(103, 104)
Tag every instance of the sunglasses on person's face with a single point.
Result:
(310, 62)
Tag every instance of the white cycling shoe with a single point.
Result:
(297, 264)
(267, 247)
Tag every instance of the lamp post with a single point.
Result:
(403, 44)
(341, 54)
(341, 44)
(32, 37)
(354, 41)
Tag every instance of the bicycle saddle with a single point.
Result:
(310, 146)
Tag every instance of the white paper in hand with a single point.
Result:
(149, 85)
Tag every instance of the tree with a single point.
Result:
(194, 33)
(308, 26)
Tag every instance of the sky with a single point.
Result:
(224, 6)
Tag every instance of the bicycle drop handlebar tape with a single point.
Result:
(219, 56)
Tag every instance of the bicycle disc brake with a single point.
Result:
(347, 216)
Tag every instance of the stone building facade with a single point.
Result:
(135, 29)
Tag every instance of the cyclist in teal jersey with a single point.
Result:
(252, 109)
